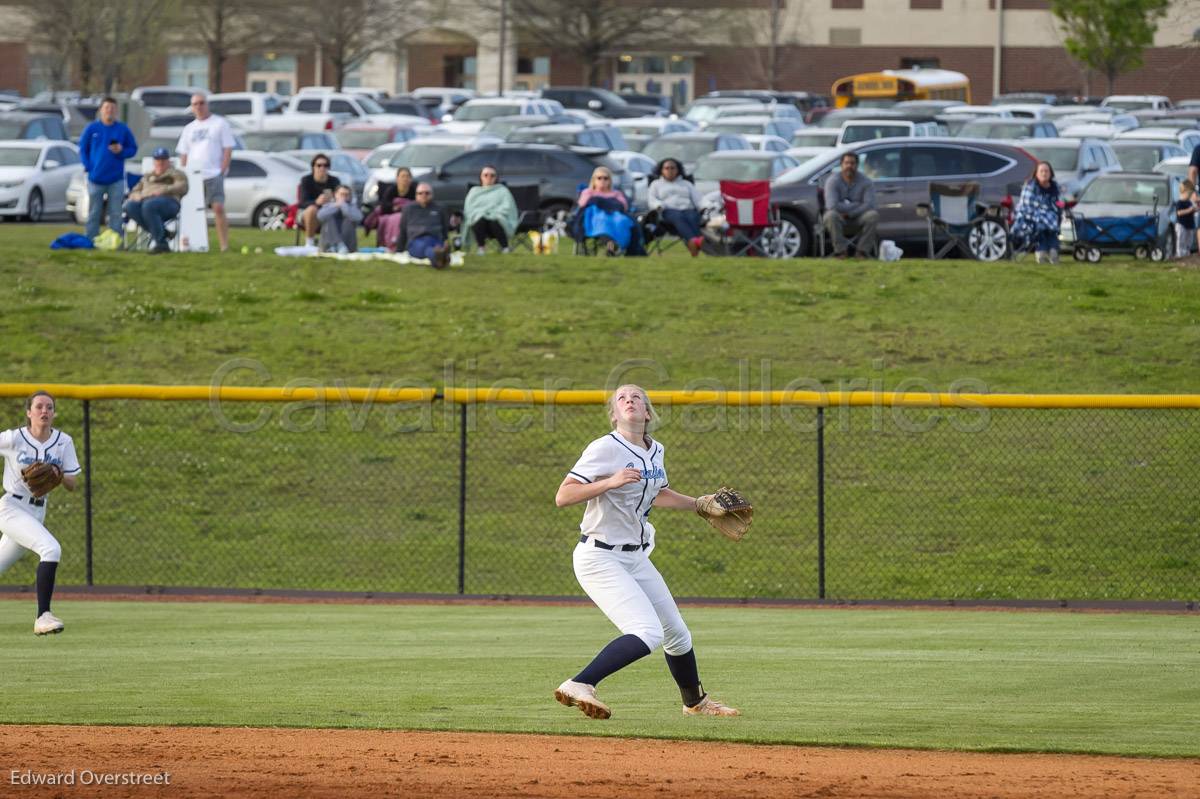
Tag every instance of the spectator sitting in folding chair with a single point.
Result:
(154, 201)
(392, 199)
(850, 200)
(602, 208)
(678, 202)
(490, 212)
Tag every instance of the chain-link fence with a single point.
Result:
(445, 498)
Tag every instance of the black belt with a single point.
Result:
(583, 539)
(37, 502)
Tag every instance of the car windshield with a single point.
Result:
(362, 139)
(425, 154)
(732, 169)
(1123, 191)
(499, 126)
(481, 112)
(381, 157)
(369, 105)
(813, 140)
(855, 133)
(291, 162)
(18, 156)
(1062, 159)
(640, 130)
(542, 136)
(10, 130)
(752, 128)
(702, 113)
(1137, 159)
(981, 129)
(272, 142)
(1129, 105)
(687, 150)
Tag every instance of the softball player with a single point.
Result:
(621, 477)
(21, 515)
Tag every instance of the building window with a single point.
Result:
(919, 63)
(837, 5)
(925, 5)
(845, 37)
(271, 62)
(188, 70)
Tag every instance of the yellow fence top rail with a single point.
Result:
(514, 396)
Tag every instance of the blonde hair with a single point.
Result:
(611, 406)
(601, 170)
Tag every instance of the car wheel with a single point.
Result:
(270, 215)
(36, 207)
(793, 239)
(988, 240)
(554, 217)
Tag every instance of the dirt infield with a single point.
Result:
(191, 762)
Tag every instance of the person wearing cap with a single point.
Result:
(155, 199)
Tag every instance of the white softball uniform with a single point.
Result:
(21, 515)
(612, 559)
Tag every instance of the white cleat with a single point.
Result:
(47, 624)
(582, 696)
(710, 707)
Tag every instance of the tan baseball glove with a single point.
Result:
(728, 511)
(41, 477)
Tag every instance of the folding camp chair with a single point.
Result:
(753, 225)
(955, 216)
(850, 231)
(528, 200)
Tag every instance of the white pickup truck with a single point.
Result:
(261, 111)
(359, 106)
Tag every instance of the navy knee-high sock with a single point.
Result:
(687, 677)
(619, 653)
(45, 584)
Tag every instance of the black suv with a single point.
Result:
(557, 172)
(601, 101)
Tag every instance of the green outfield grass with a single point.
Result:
(1120, 326)
(1035, 504)
(1017, 681)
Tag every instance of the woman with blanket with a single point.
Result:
(609, 218)
(1038, 214)
(490, 212)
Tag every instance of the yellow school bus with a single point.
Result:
(893, 85)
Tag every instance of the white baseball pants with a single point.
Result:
(633, 595)
(21, 527)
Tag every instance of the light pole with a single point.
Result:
(503, 40)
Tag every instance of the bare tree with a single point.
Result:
(346, 32)
(593, 29)
(764, 35)
(228, 27)
(104, 42)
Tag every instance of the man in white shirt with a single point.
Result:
(208, 143)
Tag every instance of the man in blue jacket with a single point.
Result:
(103, 148)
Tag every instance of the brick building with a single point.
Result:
(1005, 45)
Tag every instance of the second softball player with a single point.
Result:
(21, 514)
(621, 477)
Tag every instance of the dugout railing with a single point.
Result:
(859, 495)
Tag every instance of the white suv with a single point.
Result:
(1137, 102)
(358, 106)
(870, 129)
(471, 116)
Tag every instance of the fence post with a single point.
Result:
(87, 487)
(462, 500)
(820, 502)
